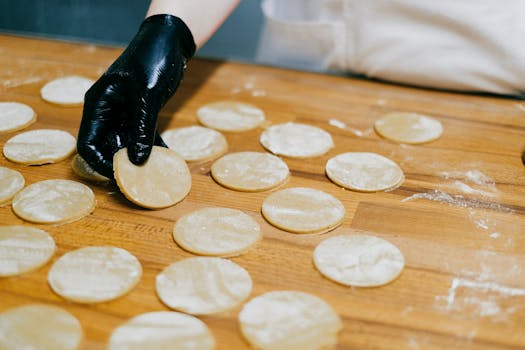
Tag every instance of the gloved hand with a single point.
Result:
(121, 108)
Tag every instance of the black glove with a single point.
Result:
(121, 108)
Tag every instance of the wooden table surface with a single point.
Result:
(458, 218)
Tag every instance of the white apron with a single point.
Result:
(449, 44)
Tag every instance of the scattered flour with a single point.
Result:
(342, 125)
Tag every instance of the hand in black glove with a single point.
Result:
(121, 108)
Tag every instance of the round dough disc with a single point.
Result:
(250, 171)
(230, 116)
(23, 249)
(303, 210)
(216, 231)
(83, 170)
(162, 181)
(358, 260)
(282, 320)
(408, 128)
(162, 330)
(11, 181)
(94, 274)
(42, 146)
(363, 171)
(67, 91)
(196, 143)
(296, 140)
(54, 201)
(15, 116)
(203, 285)
(42, 327)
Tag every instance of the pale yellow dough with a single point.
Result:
(41, 327)
(230, 116)
(11, 181)
(54, 201)
(162, 330)
(216, 231)
(363, 171)
(250, 171)
(66, 91)
(15, 116)
(94, 274)
(196, 143)
(403, 127)
(358, 260)
(289, 320)
(303, 210)
(83, 170)
(203, 285)
(42, 146)
(162, 181)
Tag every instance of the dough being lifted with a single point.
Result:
(162, 181)
(358, 260)
(162, 330)
(216, 231)
(230, 116)
(82, 169)
(196, 143)
(408, 128)
(11, 181)
(289, 320)
(15, 116)
(66, 91)
(41, 146)
(250, 171)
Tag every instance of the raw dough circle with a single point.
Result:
(296, 140)
(408, 127)
(203, 285)
(84, 170)
(15, 116)
(216, 231)
(67, 91)
(196, 143)
(358, 260)
(41, 327)
(303, 210)
(162, 181)
(11, 181)
(42, 146)
(363, 171)
(230, 116)
(23, 249)
(54, 201)
(284, 320)
(94, 274)
(250, 171)
(162, 330)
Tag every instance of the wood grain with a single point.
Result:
(464, 283)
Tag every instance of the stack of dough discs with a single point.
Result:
(41, 146)
(230, 116)
(408, 128)
(82, 169)
(216, 231)
(203, 285)
(196, 143)
(250, 171)
(162, 330)
(363, 171)
(289, 320)
(54, 201)
(94, 274)
(11, 181)
(15, 116)
(162, 181)
(23, 249)
(67, 91)
(358, 260)
(303, 210)
(296, 140)
(41, 327)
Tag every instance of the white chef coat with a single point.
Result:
(449, 44)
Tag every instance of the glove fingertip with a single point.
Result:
(139, 153)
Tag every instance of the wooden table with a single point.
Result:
(464, 282)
